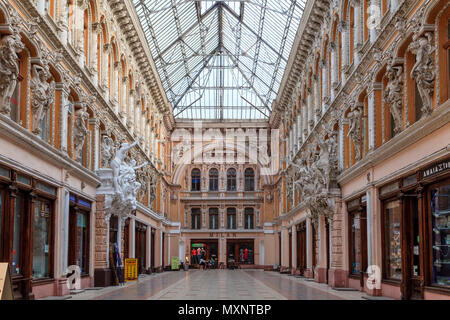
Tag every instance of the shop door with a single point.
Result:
(412, 273)
(301, 247)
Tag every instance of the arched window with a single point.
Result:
(195, 175)
(249, 179)
(231, 179)
(213, 218)
(231, 218)
(249, 220)
(213, 179)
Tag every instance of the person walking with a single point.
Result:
(194, 256)
(199, 254)
(246, 255)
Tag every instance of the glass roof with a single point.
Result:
(220, 59)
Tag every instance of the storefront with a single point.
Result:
(211, 247)
(27, 219)
(241, 250)
(140, 245)
(415, 224)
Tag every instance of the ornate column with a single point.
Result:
(317, 107)
(332, 48)
(325, 98)
(132, 237)
(343, 27)
(305, 118)
(107, 220)
(64, 105)
(222, 216)
(203, 217)
(373, 32)
(341, 146)
(239, 217)
(310, 99)
(374, 89)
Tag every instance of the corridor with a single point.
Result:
(219, 285)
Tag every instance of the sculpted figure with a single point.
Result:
(42, 96)
(107, 150)
(10, 46)
(394, 94)
(80, 132)
(355, 128)
(119, 160)
(423, 71)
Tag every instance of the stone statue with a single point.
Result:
(127, 181)
(42, 96)
(423, 71)
(108, 149)
(355, 128)
(10, 46)
(119, 160)
(394, 94)
(80, 132)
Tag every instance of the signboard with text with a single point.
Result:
(131, 269)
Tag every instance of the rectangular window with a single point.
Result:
(195, 218)
(440, 219)
(231, 221)
(41, 239)
(392, 218)
(355, 244)
(78, 240)
(249, 219)
(16, 252)
(213, 218)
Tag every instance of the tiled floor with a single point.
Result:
(220, 285)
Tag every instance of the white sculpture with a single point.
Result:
(42, 96)
(128, 185)
(423, 71)
(80, 132)
(108, 149)
(394, 94)
(10, 46)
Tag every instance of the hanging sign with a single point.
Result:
(131, 273)
(5, 282)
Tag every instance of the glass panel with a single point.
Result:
(81, 242)
(356, 243)
(41, 239)
(440, 217)
(393, 239)
(410, 180)
(389, 188)
(23, 179)
(16, 263)
(4, 172)
(46, 188)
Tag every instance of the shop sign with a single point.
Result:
(438, 168)
(197, 245)
(5, 282)
(175, 263)
(131, 269)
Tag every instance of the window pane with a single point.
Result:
(393, 237)
(41, 239)
(440, 211)
(16, 263)
(356, 243)
(81, 242)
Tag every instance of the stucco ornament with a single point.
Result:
(80, 132)
(107, 150)
(128, 184)
(42, 96)
(355, 128)
(10, 46)
(423, 71)
(393, 95)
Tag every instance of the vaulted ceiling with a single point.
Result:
(220, 59)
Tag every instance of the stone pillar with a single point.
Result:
(97, 145)
(149, 246)
(203, 219)
(310, 100)
(374, 90)
(308, 244)
(294, 247)
(324, 69)
(299, 130)
(373, 32)
(341, 146)
(332, 48)
(222, 218)
(317, 108)
(65, 230)
(305, 118)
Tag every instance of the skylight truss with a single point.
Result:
(220, 59)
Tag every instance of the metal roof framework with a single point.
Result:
(220, 59)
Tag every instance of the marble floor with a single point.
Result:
(219, 285)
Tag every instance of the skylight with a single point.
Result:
(220, 59)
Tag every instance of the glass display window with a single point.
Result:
(16, 249)
(440, 224)
(355, 243)
(392, 227)
(41, 239)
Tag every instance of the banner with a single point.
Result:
(131, 269)
(175, 263)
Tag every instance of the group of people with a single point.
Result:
(199, 257)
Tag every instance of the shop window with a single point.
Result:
(355, 243)
(249, 179)
(231, 180)
(16, 250)
(213, 218)
(231, 218)
(392, 239)
(79, 239)
(195, 218)
(41, 239)
(113, 228)
(249, 218)
(195, 183)
(440, 219)
(213, 180)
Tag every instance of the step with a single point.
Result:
(94, 288)
(367, 297)
(344, 289)
(77, 291)
(57, 298)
